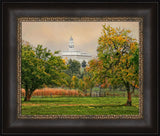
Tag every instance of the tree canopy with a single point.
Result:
(117, 60)
(40, 67)
(84, 64)
(73, 68)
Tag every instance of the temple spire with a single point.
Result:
(71, 44)
(71, 39)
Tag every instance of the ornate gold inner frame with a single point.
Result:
(79, 19)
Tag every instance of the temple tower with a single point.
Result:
(71, 44)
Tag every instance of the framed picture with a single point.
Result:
(76, 90)
(81, 66)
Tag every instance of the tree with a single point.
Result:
(83, 86)
(33, 71)
(134, 61)
(118, 55)
(42, 53)
(68, 81)
(55, 68)
(74, 82)
(83, 64)
(73, 68)
(106, 84)
(89, 79)
(39, 67)
(95, 68)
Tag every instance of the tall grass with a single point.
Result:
(54, 91)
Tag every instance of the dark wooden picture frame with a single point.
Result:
(11, 124)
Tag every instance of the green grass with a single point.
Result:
(109, 105)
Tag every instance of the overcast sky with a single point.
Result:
(56, 35)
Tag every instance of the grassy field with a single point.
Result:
(109, 105)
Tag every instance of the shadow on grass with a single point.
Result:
(42, 101)
(101, 106)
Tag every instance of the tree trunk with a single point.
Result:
(113, 89)
(91, 92)
(28, 95)
(25, 98)
(26, 92)
(133, 88)
(105, 92)
(86, 92)
(100, 92)
(110, 88)
(129, 101)
(120, 88)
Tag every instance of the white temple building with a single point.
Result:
(74, 54)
